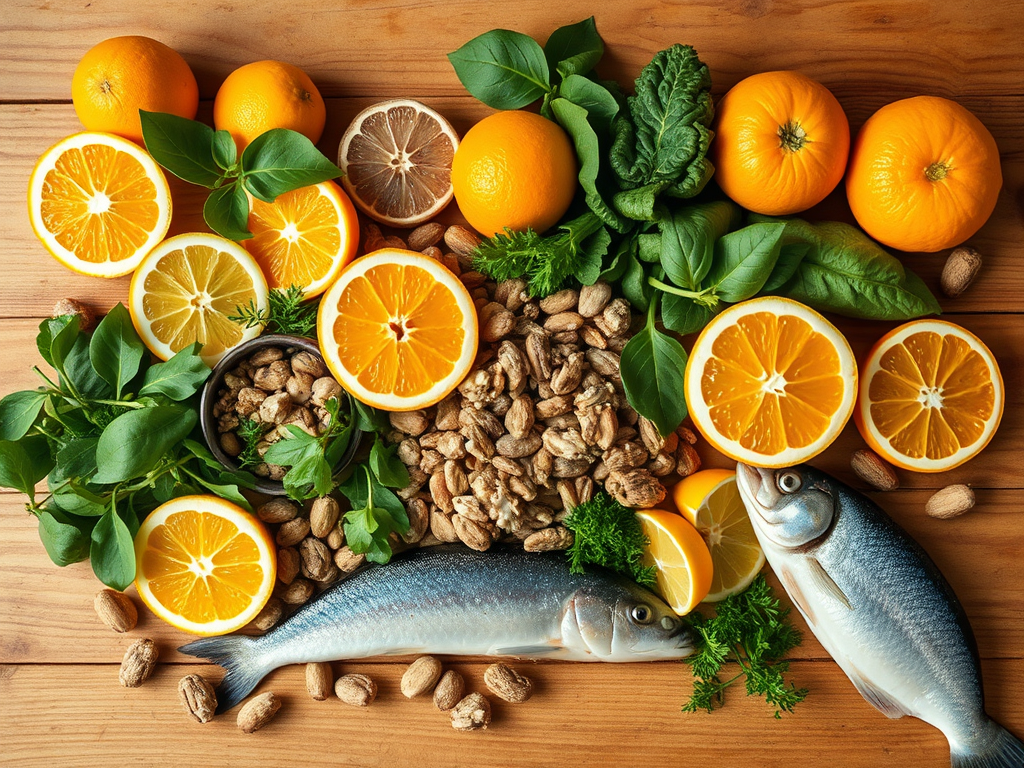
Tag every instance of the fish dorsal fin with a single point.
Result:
(826, 583)
(876, 697)
(793, 590)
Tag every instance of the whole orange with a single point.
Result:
(781, 143)
(924, 174)
(514, 169)
(122, 75)
(268, 94)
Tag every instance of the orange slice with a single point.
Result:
(770, 382)
(304, 237)
(397, 158)
(99, 203)
(186, 290)
(711, 501)
(398, 330)
(932, 396)
(680, 557)
(204, 565)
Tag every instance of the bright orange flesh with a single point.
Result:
(679, 555)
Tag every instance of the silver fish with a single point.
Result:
(452, 600)
(879, 606)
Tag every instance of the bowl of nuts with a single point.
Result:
(256, 392)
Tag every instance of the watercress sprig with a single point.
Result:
(275, 162)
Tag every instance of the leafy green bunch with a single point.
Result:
(289, 312)
(607, 534)
(753, 630)
(113, 437)
(275, 162)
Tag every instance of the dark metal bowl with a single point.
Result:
(213, 385)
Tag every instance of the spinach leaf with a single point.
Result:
(688, 237)
(292, 449)
(18, 412)
(652, 367)
(280, 161)
(65, 541)
(574, 49)
(635, 287)
(180, 377)
(182, 146)
(683, 315)
(790, 256)
(225, 491)
(592, 252)
(24, 463)
(600, 104)
(59, 337)
(744, 259)
(112, 552)
(503, 69)
(79, 371)
(226, 210)
(77, 459)
(660, 146)
(116, 350)
(136, 441)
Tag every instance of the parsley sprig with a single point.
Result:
(289, 313)
(753, 630)
(608, 534)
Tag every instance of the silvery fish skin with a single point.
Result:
(453, 600)
(879, 606)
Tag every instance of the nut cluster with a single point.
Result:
(538, 421)
(275, 387)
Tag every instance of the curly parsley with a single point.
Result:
(608, 534)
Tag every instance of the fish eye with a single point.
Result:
(641, 614)
(789, 482)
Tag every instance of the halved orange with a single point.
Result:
(397, 158)
(204, 565)
(398, 330)
(770, 382)
(711, 501)
(932, 396)
(186, 290)
(304, 238)
(99, 203)
(682, 563)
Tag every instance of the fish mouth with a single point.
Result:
(755, 483)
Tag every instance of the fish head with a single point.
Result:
(624, 622)
(791, 507)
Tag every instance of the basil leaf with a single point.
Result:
(573, 119)
(76, 459)
(280, 161)
(24, 463)
(79, 501)
(600, 105)
(79, 371)
(182, 146)
(683, 315)
(136, 441)
(652, 367)
(386, 465)
(790, 256)
(225, 151)
(226, 211)
(688, 238)
(112, 552)
(64, 541)
(18, 412)
(60, 336)
(503, 69)
(180, 377)
(744, 259)
(574, 49)
(116, 349)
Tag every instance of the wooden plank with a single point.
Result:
(41, 606)
(600, 714)
(34, 280)
(376, 49)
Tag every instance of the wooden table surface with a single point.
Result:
(60, 702)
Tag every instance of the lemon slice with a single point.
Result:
(680, 557)
(186, 289)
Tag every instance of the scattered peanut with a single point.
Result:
(449, 690)
(960, 270)
(473, 713)
(421, 676)
(319, 680)
(197, 697)
(138, 663)
(951, 501)
(258, 711)
(116, 610)
(873, 470)
(356, 690)
(86, 317)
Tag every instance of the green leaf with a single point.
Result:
(24, 463)
(135, 442)
(225, 151)
(79, 371)
(116, 349)
(688, 238)
(226, 211)
(375, 513)
(369, 419)
(639, 203)
(635, 287)
(291, 450)
(64, 541)
(280, 161)
(182, 146)
(18, 412)
(592, 252)
(790, 256)
(652, 367)
(386, 465)
(226, 491)
(661, 145)
(77, 459)
(59, 337)
(574, 49)
(180, 377)
(503, 69)
(744, 259)
(601, 106)
(683, 315)
(112, 552)
(310, 476)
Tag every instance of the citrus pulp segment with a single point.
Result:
(99, 203)
(187, 288)
(770, 382)
(204, 565)
(932, 396)
(682, 563)
(397, 159)
(304, 238)
(398, 330)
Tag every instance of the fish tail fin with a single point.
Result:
(997, 749)
(243, 662)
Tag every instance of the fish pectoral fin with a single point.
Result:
(876, 697)
(528, 650)
(793, 590)
(826, 583)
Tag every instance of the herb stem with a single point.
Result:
(118, 403)
(661, 286)
(44, 377)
